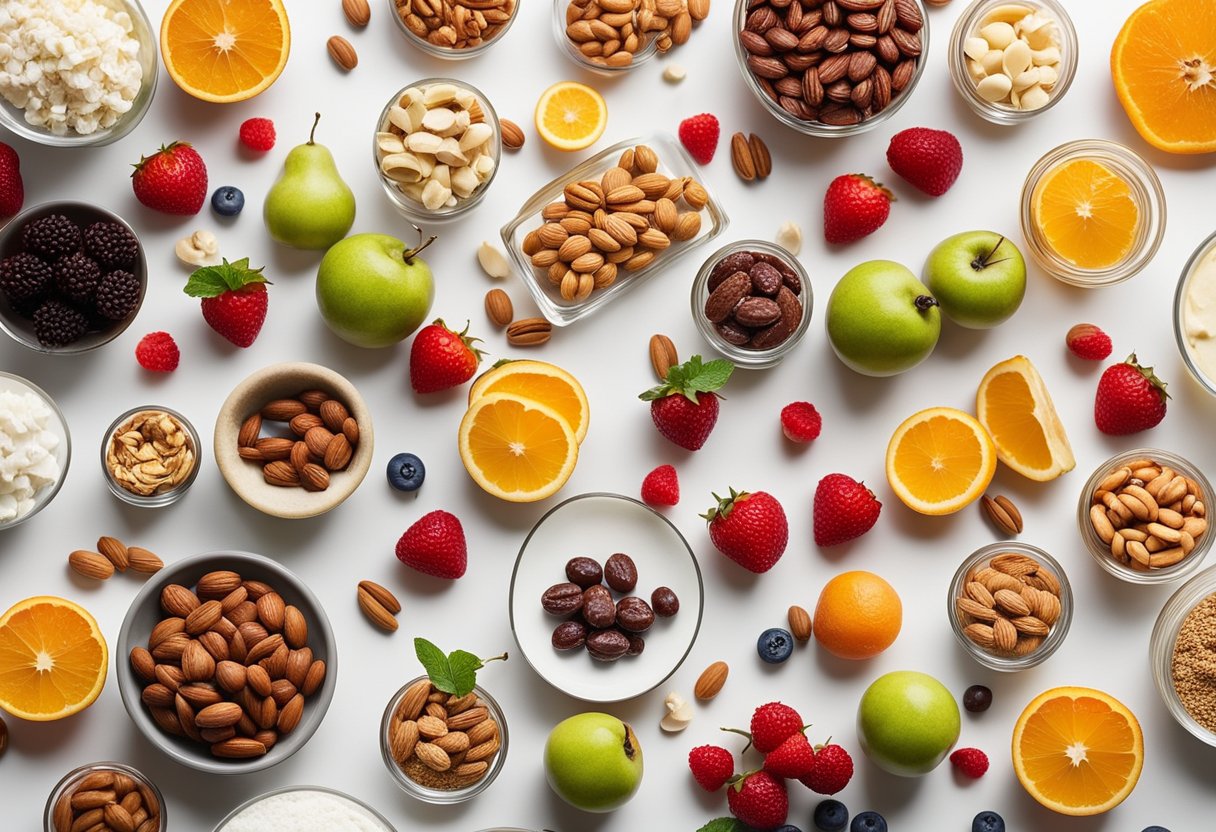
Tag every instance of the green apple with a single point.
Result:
(373, 290)
(978, 277)
(593, 762)
(907, 722)
(881, 320)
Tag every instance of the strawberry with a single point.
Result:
(854, 206)
(844, 509)
(172, 180)
(257, 134)
(685, 407)
(832, 771)
(699, 134)
(749, 528)
(1130, 398)
(712, 766)
(435, 545)
(441, 358)
(234, 299)
(759, 800)
(661, 487)
(12, 191)
(772, 724)
(792, 759)
(1088, 342)
(157, 351)
(970, 761)
(800, 422)
(929, 159)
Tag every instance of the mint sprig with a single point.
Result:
(213, 281)
(454, 673)
(725, 825)
(690, 378)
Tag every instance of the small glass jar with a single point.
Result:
(334, 799)
(646, 50)
(1146, 193)
(1103, 553)
(103, 777)
(453, 53)
(158, 498)
(1161, 649)
(979, 559)
(438, 795)
(969, 24)
(413, 208)
(63, 454)
(740, 355)
(1194, 334)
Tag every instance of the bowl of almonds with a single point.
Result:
(105, 795)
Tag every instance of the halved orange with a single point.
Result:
(1086, 213)
(517, 449)
(1013, 405)
(53, 659)
(541, 382)
(1078, 751)
(570, 115)
(940, 460)
(1163, 63)
(224, 51)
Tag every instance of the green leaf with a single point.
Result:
(464, 667)
(212, 281)
(690, 378)
(436, 665)
(725, 825)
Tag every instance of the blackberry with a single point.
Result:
(117, 294)
(51, 237)
(56, 324)
(112, 245)
(24, 277)
(76, 276)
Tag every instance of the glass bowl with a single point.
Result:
(1059, 628)
(673, 163)
(1162, 644)
(438, 795)
(742, 356)
(13, 118)
(646, 50)
(1102, 552)
(452, 53)
(1195, 317)
(1146, 192)
(63, 453)
(73, 780)
(333, 798)
(412, 208)
(160, 498)
(770, 97)
(968, 24)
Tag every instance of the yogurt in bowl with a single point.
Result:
(304, 809)
(1195, 314)
(34, 449)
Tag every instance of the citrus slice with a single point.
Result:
(1013, 405)
(571, 116)
(541, 382)
(517, 449)
(1078, 751)
(53, 659)
(940, 460)
(223, 51)
(1163, 64)
(1086, 213)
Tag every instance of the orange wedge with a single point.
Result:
(541, 382)
(940, 460)
(1078, 751)
(53, 659)
(1086, 213)
(224, 51)
(1163, 64)
(571, 116)
(1013, 405)
(517, 449)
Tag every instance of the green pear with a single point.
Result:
(309, 206)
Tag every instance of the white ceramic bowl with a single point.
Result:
(63, 453)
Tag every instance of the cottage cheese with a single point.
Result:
(71, 65)
(305, 811)
(27, 452)
(1199, 315)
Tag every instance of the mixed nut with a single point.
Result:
(107, 800)
(324, 439)
(1013, 58)
(610, 33)
(440, 740)
(455, 24)
(1009, 605)
(150, 453)
(753, 299)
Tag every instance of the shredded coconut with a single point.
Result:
(27, 452)
(305, 811)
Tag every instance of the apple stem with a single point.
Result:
(925, 302)
(409, 254)
(501, 658)
(313, 132)
(981, 263)
(630, 751)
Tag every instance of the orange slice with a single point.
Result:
(1078, 751)
(53, 659)
(571, 116)
(541, 382)
(517, 449)
(1163, 64)
(940, 460)
(1086, 213)
(1013, 405)
(225, 51)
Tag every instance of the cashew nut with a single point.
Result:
(199, 249)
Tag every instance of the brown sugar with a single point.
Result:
(1193, 666)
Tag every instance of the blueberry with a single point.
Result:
(868, 822)
(775, 645)
(988, 822)
(1155, 829)
(406, 472)
(831, 816)
(227, 201)
(789, 827)
(977, 698)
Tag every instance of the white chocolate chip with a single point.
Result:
(674, 73)
(679, 713)
(999, 35)
(789, 237)
(994, 88)
(199, 249)
(1020, 64)
(493, 262)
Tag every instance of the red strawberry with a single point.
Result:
(772, 724)
(1088, 342)
(173, 180)
(157, 351)
(929, 159)
(711, 766)
(12, 191)
(1130, 398)
(970, 761)
(749, 528)
(661, 487)
(441, 358)
(257, 134)
(685, 407)
(699, 135)
(792, 759)
(759, 800)
(435, 545)
(234, 299)
(854, 206)
(832, 771)
(800, 422)
(844, 509)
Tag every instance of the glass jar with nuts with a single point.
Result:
(105, 796)
(609, 37)
(151, 456)
(454, 29)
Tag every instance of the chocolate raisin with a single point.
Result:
(607, 645)
(620, 572)
(569, 635)
(562, 599)
(636, 644)
(584, 571)
(664, 602)
(598, 609)
(634, 614)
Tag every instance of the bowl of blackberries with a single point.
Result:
(72, 277)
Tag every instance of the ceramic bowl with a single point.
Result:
(63, 453)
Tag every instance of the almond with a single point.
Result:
(164, 629)
(350, 429)
(289, 717)
(499, 308)
(218, 584)
(318, 439)
(175, 599)
(276, 663)
(1003, 514)
(357, 12)
(342, 52)
(90, 564)
(219, 715)
(314, 678)
(465, 720)
(482, 751)
(295, 628)
(663, 355)
(432, 756)
(157, 695)
(264, 648)
(204, 617)
(687, 226)
(283, 410)
(251, 429)
(383, 596)
(303, 423)
(414, 699)
(280, 474)
(761, 158)
(338, 453)
(271, 611)
(142, 663)
(238, 748)
(800, 623)
(117, 818)
(259, 680)
(710, 682)
(512, 134)
(333, 413)
(141, 560)
(197, 663)
(529, 332)
(741, 157)
(115, 552)
(375, 611)
(231, 676)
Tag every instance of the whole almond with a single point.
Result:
(998, 512)
(231, 676)
(414, 700)
(117, 818)
(314, 477)
(90, 564)
(499, 308)
(432, 756)
(142, 663)
(529, 332)
(251, 429)
(357, 12)
(482, 751)
(197, 663)
(238, 748)
(465, 720)
(295, 628)
(281, 474)
(382, 595)
(283, 410)
(800, 623)
(204, 617)
(687, 226)
(219, 715)
(115, 552)
(217, 584)
(141, 560)
(289, 716)
(175, 599)
(165, 628)
(314, 678)
(762, 159)
(342, 52)
(264, 648)
(741, 157)
(375, 611)
(512, 134)
(663, 355)
(710, 682)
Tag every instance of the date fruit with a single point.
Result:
(562, 599)
(598, 609)
(664, 602)
(607, 645)
(569, 635)
(634, 614)
(584, 571)
(620, 572)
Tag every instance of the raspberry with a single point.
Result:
(1088, 342)
(772, 724)
(258, 134)
(699, 134)
(711, 766)
(157, 352)
(661, 487)
(800, 422)
(970, 761)
(832, 771)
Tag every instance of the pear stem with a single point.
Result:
(924, 302)
(501, 658)
(410, 253)
(313, 132)
(981, 263)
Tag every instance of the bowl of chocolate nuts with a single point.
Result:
(294, 440)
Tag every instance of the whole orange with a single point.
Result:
(858, 615)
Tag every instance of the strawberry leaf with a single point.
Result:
(725, 825)
(213, 281)
(455, 673)
(692, 377)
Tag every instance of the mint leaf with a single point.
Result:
(712, 375)
(725, 825)
(455, 673)
(464, 670)
(692, 377)
(212, 281)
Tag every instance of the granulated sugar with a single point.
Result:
(305, 811)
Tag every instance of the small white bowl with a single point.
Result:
(63, 453)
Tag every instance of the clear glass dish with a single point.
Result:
(674, 163)
(451, 53)
(1161, 648)
(1202, 261)
(163, 498)
(149, 793)
(335, 797)
(646, 51)
(63, 453)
